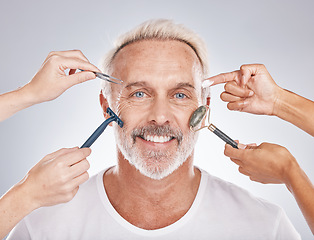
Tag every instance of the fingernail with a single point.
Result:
(251, 93)
(207, 83)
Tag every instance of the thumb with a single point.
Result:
(233, 152)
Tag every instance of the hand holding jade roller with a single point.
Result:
(198, 115)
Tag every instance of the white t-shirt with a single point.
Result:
(220, 210)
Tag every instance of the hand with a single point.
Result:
(56, 178)
(266, 163)
(51, 80)
(250, 89)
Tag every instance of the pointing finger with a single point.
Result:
(225, 77)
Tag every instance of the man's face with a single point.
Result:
(162, 88)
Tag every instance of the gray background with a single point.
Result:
(279, 34)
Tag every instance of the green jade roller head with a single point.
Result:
(197, 117)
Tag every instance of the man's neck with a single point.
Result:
(149, 203)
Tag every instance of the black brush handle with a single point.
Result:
(223, 136)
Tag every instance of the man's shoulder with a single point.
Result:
(220, 191)
(233, 209)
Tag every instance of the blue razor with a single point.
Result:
(102, 127)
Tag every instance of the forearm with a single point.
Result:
(14, 206)
(296, 110)
(14, 101)
(303, 191)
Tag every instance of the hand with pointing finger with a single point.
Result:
(250, 89)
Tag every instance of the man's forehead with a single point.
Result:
(158, 64)
(157, 78)
(149, 52)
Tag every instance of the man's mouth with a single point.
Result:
(157, 134)
(156, 139)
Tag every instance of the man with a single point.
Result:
(155, 191)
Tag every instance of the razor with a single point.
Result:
(102, 127)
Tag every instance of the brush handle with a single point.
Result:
(97, 132)
(223, 136)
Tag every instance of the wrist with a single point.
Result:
(28, 96)
(288, 106)
(279, 102)
(25, 192)
(292, 174)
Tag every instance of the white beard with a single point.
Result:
(155, 164)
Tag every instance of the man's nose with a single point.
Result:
(160, 112)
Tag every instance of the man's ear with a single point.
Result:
(104, 104)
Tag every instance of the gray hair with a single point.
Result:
(159, 29)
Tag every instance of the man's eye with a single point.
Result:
(180, 95)
(139, 94)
